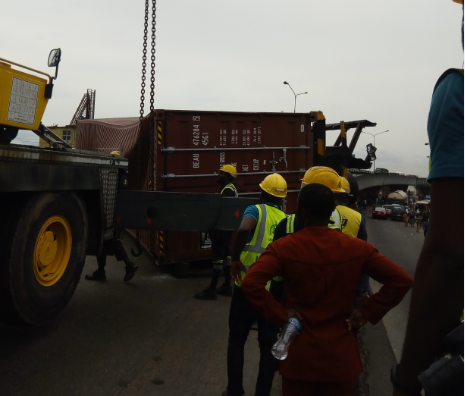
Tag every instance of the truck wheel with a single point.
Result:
(42, 254)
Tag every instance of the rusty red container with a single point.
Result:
(189, 149)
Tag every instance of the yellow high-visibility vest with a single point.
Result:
(351, 220)
(268, 219)
(230, 186)
(336, 218)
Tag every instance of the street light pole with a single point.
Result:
(374, 144)
(295, 96)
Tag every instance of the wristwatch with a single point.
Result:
(414, 391)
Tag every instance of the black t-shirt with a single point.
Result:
(228, 192)
(281, 232)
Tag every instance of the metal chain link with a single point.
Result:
(142, 100)
(152, 64)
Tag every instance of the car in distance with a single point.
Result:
(397, 211)
(388, 209)
(379, 213)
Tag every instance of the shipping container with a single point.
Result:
(189, 147)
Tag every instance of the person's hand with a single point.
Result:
(356, 321)
(236, 267)
(292, 313)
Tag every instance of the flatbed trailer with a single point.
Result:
(58, 206)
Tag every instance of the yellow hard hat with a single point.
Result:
(324, 175)
(275, 185)
(229, 169)
(345, 185)
(115, 153)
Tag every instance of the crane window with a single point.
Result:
(67, 135)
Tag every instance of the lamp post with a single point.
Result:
(295, 95)
(374, 144)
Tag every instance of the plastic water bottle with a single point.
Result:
(281, 347)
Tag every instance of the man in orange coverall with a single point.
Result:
(322, 267)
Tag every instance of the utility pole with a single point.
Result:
(295, 95)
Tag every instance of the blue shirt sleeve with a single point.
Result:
(445, 128)
(251, 211)
(362, 232)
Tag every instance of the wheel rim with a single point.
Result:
(52, 250)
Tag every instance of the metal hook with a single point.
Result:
(138, 252)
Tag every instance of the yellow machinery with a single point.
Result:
(24, 97)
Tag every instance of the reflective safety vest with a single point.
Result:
(268, 219)
(351, 220)
(231, 187)
(335, 217)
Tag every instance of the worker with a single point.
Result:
(321, 268)
(437, 295)
(221, 257)
(117, 246)
(253, 236)
(317, 174)
(353, 224)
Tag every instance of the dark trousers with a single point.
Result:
(118, 250)
(220, 247)
(241, 317)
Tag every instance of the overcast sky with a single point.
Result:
(361, 59)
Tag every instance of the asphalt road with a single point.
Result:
(146, 337)
(402, 245)
(150, 337)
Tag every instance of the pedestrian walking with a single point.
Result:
(411, 217)
(114, 246)
(253, 236)
(221, 256)
(425, 228)
(418, 220)
(322, 267)
(405, 218)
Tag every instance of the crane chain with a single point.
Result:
(141, 112)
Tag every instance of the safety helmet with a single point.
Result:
(115, 153)
(229, 169)
(345, 185)
(324, 175)
(275, 185)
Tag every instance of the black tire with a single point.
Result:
(22, 296)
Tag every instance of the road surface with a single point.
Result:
(402, 245)
(150, 337)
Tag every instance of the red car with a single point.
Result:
(379, 213)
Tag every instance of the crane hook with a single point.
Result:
(138, 251)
